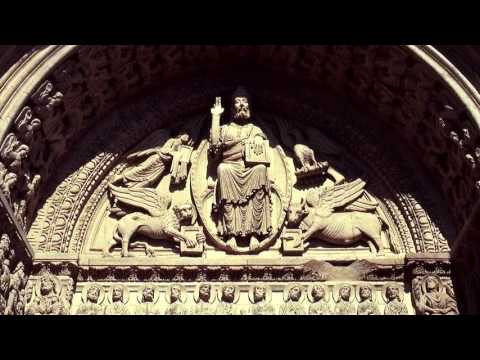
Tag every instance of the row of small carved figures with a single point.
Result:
(53, 298)
(260, 298)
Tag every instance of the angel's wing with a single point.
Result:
(341, 195)
(144, 198)
(155, 140)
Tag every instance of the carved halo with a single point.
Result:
(286, 291)
(197, 290)
(126, 293)
(325, 288)
(57, 286)
(156, 293)
(237, 292)
(337, 288)
(372, 289)
(183, 293)
(401, 293)
(268, 293)
(101, 296)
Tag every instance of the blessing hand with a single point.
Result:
(217, 109)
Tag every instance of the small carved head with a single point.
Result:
(175, 293)
(392, 292)
(240, 103)
(318, 292)
(259, 293)
(345, 292)
(365, 292)
(204, 292)
(184, 139)
(296, 213)
(28, 292)
(47, 284)
(228, 293)
(295, 293)
(93, 294)
(432, 284)
(184, 213)
(148, 294)
(117, 294)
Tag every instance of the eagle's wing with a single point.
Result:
(144, 198)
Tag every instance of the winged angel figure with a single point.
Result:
(161, 221)
(341, 215)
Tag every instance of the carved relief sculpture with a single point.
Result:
(260, 296)
(433, 297)
(92, 299)
(15, 300)
(317, 217)
(228, 296)
(204, 298)
(161, 222)
(318, 297)
(118, 298)
(344, 301)
(243, 190)
(47, 299)
(366, 301)
(294, 295)
(176, 297)
(148, 298)
(393, 296)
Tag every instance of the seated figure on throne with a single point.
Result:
(243, 202)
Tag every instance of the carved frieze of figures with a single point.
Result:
(92, 300)
(433, 296)
(344, 297)
(204, 297)
(260, 295)
(228, 296)
(293, 296)
(393, 296)
(47, 300)
(176, 296)
(147, 298)
(319, 296)
(366, 297)
(118, 297)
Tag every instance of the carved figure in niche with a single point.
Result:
(344, 302)
(393, 296)
(161, 222)
(156, 164)
(434, 297)
(92, 298)
(28, 295)
(316, 216)
(7, 181)
(318, 296)
(67, 296)
(118, 299)
(293, 296)
(17, 283)
(47, 299)
(228, 297)
(176, 297)
(204, 298)
(243, 197)
(260, 296)
(147, 298)
(366, 301)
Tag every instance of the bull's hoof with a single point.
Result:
(231, 244)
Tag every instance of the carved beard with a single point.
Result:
(242, 114)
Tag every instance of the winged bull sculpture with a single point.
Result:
(341, 215)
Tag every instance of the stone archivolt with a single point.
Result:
(175, 186)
